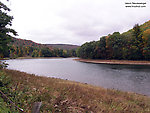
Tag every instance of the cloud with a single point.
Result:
(74, 21)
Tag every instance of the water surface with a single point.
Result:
(133, 78)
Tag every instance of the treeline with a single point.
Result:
(13, 48)
(25, 51)
(134, 45)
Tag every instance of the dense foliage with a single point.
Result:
(25, 51)
(5, 23)
(133, 45)
(12, 47)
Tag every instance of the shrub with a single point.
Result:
(3, 65)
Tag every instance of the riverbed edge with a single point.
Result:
(117, 62)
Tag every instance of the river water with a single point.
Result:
(132, 78)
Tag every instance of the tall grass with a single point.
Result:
(65, 96)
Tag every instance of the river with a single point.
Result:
(132, 78)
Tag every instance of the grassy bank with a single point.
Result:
(65, 96)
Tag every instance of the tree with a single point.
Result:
(60, 53)
(115, 43)
(137, 33)
(87, 50)
(137, 42)
(101, 48)
(73, 53)
(146, 40)
(46, 52)
(5, 23)
(35, 53)
(133, 45)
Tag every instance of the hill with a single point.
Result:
(26, 43)
(144, 27)
(30, 43)
(28, 48)
(131, 45)
(63, 46)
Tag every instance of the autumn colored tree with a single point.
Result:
(133, 45)
(146, 41)
(46, 52)
(35, 53)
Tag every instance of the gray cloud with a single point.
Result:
(74, 21)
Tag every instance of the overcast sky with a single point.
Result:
(74, 21)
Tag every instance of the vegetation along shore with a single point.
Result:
(22, 90)
(66, 96)
(131, 45)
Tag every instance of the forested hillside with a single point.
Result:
(29, 43)
(13, 47)
(131, 45)
(24, 48)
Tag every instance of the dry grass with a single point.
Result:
(71, 97)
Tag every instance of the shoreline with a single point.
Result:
(69, 96)
(36, 58)
(117, 62)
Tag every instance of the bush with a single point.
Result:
(3, 65)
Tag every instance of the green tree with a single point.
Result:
(5, 23)
(12, 50)
(60, 53)
(115, 44)
(146, 40)
(137, 33)
(101, 48)
(46, 52)
(87, 50)
(73, 53)
(137, 42)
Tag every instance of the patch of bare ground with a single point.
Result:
(63, 96)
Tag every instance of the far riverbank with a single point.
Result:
(35, 58)
(124, 62)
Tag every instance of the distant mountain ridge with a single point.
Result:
(23, 42)
(30, 43)
(63, 46)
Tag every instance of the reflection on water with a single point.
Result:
(133, 78)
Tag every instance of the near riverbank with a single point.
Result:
(66, 96)
(125, 62)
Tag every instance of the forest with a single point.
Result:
(11, 47)
(26, 51)
(131, 45)
(33, 50)
(19, 90)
